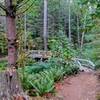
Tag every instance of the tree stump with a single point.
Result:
(10, 87)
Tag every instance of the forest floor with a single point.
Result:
(83, 86)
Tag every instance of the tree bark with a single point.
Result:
(78, 31)
(69, 22)
(10, 87)
(11, 35)
(82, 40)
(25, 30)
(83, 33)
(45, 25)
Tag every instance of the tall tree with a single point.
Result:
(45, 24)
(25, 31)
(69, 32)
(10, 82)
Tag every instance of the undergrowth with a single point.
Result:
(39, 78)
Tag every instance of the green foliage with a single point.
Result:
(38, 43)
(43, 84)
(60, 47)
(40, 77)
(3, 43)
(71, 69)
(56, 72)
(37, 67)
(22, 59)
(30, 62)
(3, 65)
(91, 46)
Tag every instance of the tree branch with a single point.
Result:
(19, 1)
(25, 9)
(18, 6)
(3, 7)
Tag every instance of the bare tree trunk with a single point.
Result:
(45, 24)
(25, 37)
(11, 34)
(82, 40)
(69, 22)
(83, 33)
(78, 31)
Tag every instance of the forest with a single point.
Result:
(49, 50)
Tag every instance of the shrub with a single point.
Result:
(37, 67)
(40, 83)
(41, 76)
(60, 47)
(43, 84)
(71, 69)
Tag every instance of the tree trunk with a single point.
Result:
(11, 35)
(69, 22)
(83, 33)
(78, 31)
(45, 25)
(25, 37)
(82, 40)
(9, 82)
(10, 87)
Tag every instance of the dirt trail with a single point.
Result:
(80, 87)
